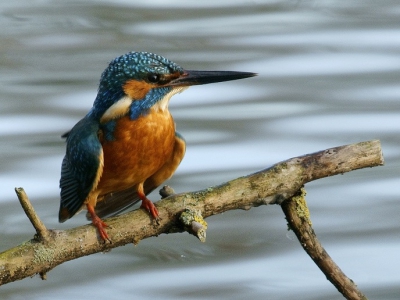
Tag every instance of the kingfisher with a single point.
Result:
(127, 145)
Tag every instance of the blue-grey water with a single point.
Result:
(328, 75)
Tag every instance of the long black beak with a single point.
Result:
(191, 77)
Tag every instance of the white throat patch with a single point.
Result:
(118, 109)
(163, 103)
(122, 106)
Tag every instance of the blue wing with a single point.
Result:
(81, 167)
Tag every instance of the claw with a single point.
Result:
(99, 224)
(148, 205)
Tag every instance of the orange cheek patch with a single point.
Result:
(136, 90)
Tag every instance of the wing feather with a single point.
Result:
(81, 167)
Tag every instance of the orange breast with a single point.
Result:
(139, 149)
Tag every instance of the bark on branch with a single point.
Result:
(298, 217)
(50, 248)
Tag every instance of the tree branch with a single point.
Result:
(269, 186)
(298, 217)
(42, 234)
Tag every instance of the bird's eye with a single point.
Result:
(153, 78)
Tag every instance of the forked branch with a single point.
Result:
(273, 185)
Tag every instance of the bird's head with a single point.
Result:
(136, 81)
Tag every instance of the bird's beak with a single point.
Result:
(191, 77)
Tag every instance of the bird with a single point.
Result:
(127, 144)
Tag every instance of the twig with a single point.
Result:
(194, 223)
(298, 217)
(42, 234)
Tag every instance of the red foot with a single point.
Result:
(149, 206)
(98, 223)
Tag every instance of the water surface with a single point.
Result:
(328, 76)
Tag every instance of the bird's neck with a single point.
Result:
(162, 104)
(156, 100)
(105, 99)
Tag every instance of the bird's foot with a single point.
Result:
(99, 224)
(150, 207)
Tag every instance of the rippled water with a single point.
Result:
(328, 75)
